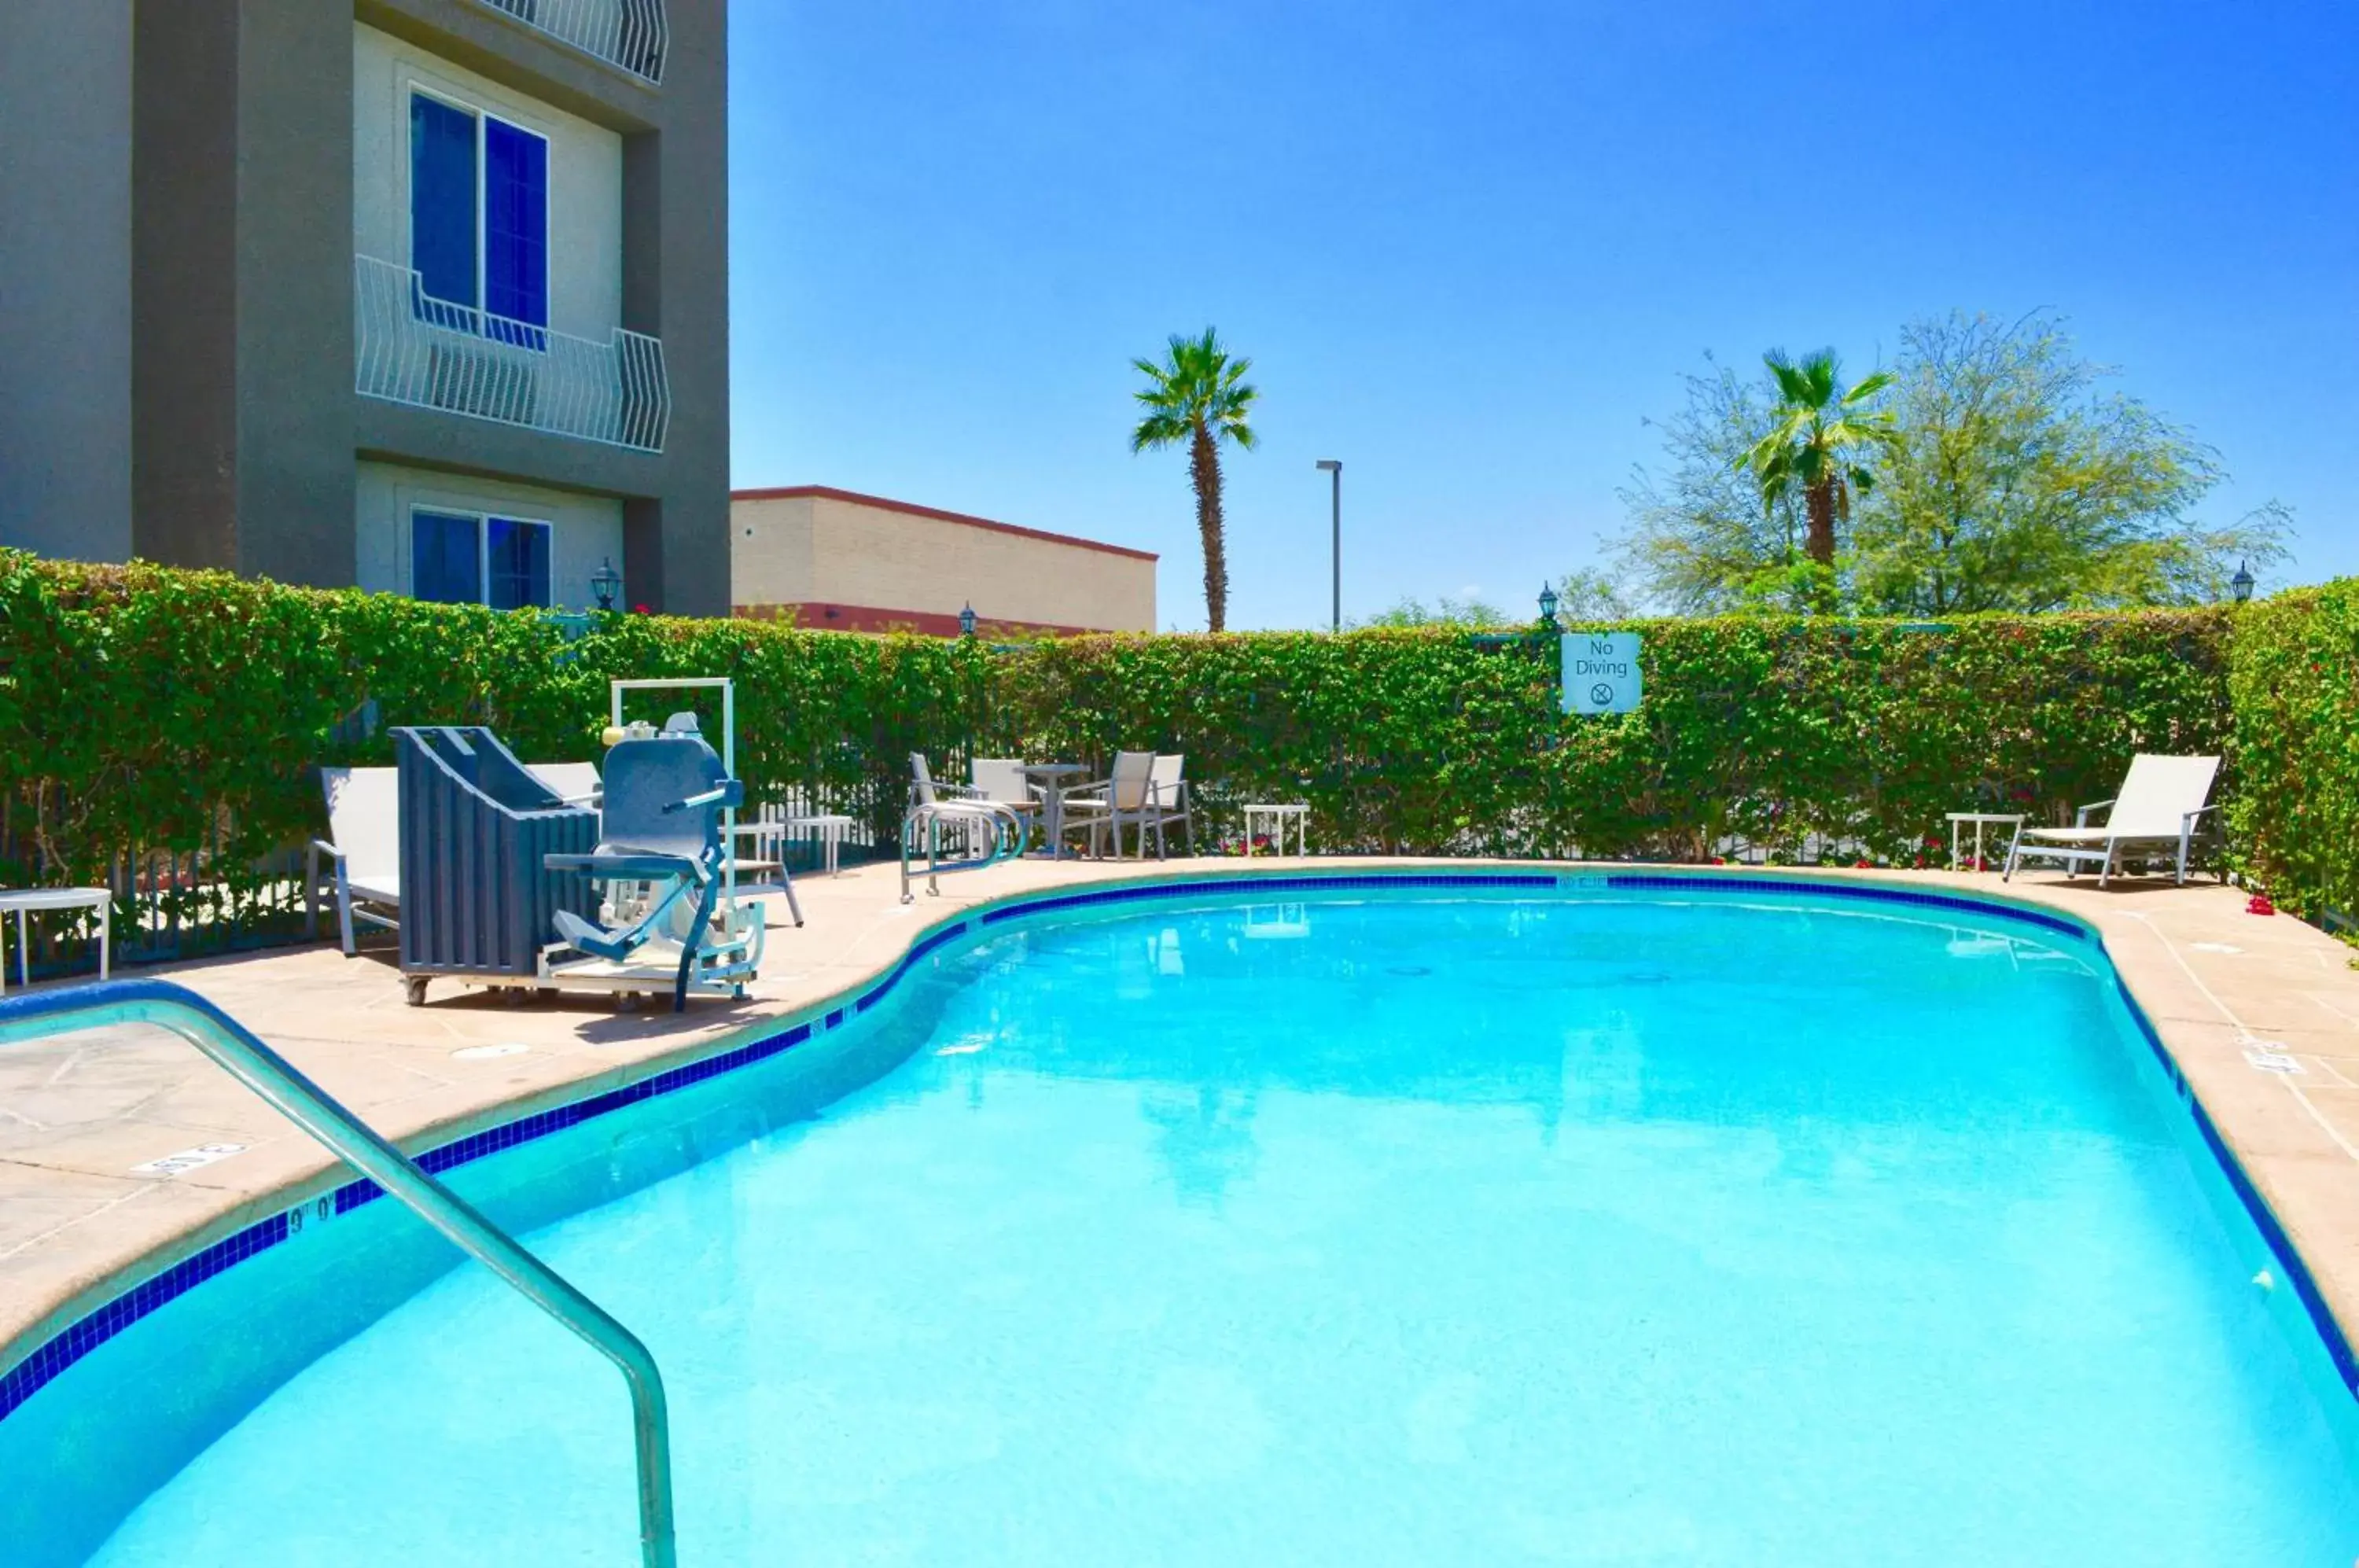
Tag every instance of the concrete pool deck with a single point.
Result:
(80, 1223)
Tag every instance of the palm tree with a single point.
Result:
(1820, 431)
(1197, 395)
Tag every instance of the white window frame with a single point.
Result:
(419, 87)
(482, 547)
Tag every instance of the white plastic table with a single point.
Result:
(23, 900)
(1278, 814)
(1958, 819)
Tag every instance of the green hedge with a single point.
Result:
(162, 724)
(1782, 732)
(149, 710)
(2294, 680)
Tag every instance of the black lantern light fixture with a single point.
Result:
(2241, 585)
(966, 621)
(606, 583)
(1547, 604)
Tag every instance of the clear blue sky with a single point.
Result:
(1470, 244)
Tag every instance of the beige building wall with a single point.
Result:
(818, 550)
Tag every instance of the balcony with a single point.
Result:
(410, 347)
(631, 35)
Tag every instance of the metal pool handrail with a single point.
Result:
(302, 1101)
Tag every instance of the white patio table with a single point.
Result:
(1276, 814)
(1958, 819)
(23, 900)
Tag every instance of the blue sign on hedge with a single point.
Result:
(1600, 672)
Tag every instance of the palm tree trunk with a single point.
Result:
(1820, 545)
(1204, 468)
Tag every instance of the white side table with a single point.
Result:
(1958, 819)
(1276, 814)
(772, 832)
(24, 899)
(829, 829)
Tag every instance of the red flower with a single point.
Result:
(641, 610)
(2259, 904)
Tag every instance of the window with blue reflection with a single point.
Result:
(445, 558)
(518, 553)
(442, 207)
(478, 223)
(516, 225)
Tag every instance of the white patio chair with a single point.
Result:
(2160, 813)
(363, 845)
(1124, 799)
(1167, 800)
(992, 830)
(1001, 778)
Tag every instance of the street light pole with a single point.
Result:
(1334, 470)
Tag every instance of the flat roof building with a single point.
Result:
(424, 295)
(836, 561)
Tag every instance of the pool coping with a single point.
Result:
(142, 1282)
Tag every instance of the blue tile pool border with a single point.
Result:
(61, 1350)
(1863, 892)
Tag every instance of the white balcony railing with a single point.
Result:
(410, 347)
(632, 34)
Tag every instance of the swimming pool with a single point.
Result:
(1649, 1225)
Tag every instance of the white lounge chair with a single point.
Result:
(575, 783)
(2158, 814)
(363, 845)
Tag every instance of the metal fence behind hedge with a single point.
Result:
(169, 904)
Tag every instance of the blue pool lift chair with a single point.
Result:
(659, 856)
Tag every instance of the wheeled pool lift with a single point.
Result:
(640, 894)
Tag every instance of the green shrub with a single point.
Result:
(1779, 731)
(179, 713)
(182, 712)
(2294, 681)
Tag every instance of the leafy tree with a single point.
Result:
(1815, 442)
(1703, 540)
(2019, 485)
(1445, 612)
(1199, 395)
(1590, 594)
(2009, 483)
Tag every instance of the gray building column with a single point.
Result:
(675, 287)
(242, 298)
(65, 278)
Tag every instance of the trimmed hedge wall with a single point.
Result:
(1779, 733)
(160, 726)
(145, 709)
(2294, 681)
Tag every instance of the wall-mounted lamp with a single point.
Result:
(606, 583)
(966, 621)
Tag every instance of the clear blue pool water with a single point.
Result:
(1390, 1231)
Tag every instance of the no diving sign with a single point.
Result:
(1600, 672)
